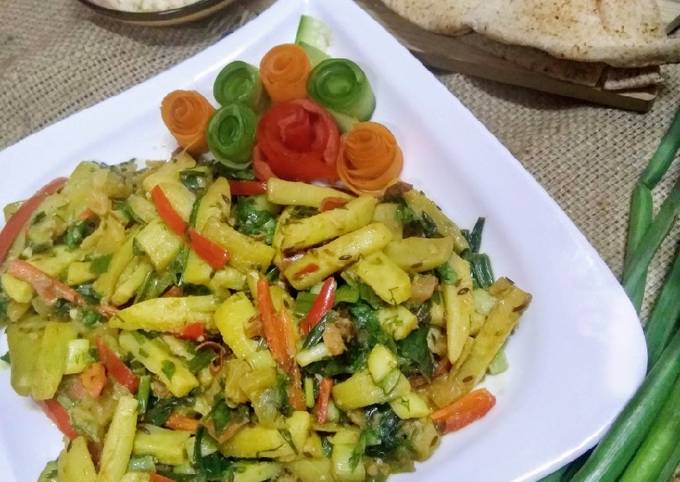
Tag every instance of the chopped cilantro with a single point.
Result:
(168, 368)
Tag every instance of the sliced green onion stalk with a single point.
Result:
(231, 135)
(634, 273)
(240, 82)
(639, 220)
(664, 155)
(665, 314)
(341, 86)
(659, 445)
(616, 449)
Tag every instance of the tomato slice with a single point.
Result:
(193, 331)
(19, 219)
(299, 141)
(167, 213)
(60, 417)
(261, 169)
(116, 368)
(322, 304)
(247, 188)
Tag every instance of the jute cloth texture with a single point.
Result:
(57, 57)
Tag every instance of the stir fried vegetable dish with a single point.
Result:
(219, 317)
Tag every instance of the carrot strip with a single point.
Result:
(186, 114)
(181, 422)
(271, 325)
(324, 397)
(93, 379)
(284, 71)
(48, 288)
(464, 411)
(370, 159)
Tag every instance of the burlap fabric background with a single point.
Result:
(57, 57)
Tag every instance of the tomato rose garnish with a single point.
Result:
(299, 141)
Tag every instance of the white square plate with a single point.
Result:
(579, 353)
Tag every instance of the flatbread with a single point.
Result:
(584, 73)
(440, 16)
(621, 33)
(627, 79)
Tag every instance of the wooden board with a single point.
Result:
(449, 53)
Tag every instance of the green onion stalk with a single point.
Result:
(231, 135)
(343, 88)
(610, 458)
(634, 273)
(240, 82)
(640, 218)
(659, 445)
(665, 314)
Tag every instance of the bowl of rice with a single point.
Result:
(157, 13)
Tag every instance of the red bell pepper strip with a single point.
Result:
(464, 411)
(309, 269)
(20, 218)
(247, 188)
(47, 287)
(60, 417)
(167, 213)
(116, 368)
(271, 325)
(322, 304)
(160, 478)
(193, 331)
(212, 253)
(333, 203)
(324, 397)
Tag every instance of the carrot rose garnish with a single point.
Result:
(284, 71)
(299, 141)
(186, 114)
(370, 159)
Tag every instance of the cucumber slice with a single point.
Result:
(314, 55)
(344, 121)
(314, 33)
